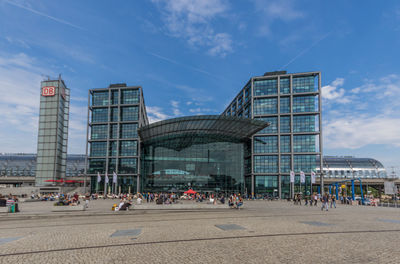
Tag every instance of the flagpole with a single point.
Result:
(105, 185)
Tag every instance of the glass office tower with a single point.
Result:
(53, 132)
(114, 116)
(291, 103)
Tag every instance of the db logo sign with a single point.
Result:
(48, 91)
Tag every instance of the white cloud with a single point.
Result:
(273, 10)
(356, 132)
(192, 21)
(20, 77)
(371, 118)
(155, 114)
(175, 108)
(333, 92)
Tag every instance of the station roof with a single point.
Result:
(225, 126)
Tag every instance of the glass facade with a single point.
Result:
(53, 132)
(113, 145)
(206, 153)
(204, 163)
(291, 104)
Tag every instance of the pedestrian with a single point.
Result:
(315, 199)
(325, 199)
(333, 201)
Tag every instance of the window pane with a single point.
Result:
(264, 164)
(100, 98)
(265, 106)
(265, 87)
(266, 144)
(272, 128)
(130, 96)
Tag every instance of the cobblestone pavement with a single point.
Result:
(261, 232)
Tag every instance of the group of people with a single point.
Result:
(11, 201)
(235, 201)
(326, 200)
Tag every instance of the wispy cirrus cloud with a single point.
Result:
(192, 21)
(275, 10)
(34, 11)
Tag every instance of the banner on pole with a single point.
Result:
(302, 177)
(292, 176)
(390, 187)
(98, 177)
(106, 179)
(312, 177)
(114, 177)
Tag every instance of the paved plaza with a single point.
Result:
(261, 232)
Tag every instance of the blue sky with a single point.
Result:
(192, 57)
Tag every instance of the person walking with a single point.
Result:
(333, 201)
(325, 199)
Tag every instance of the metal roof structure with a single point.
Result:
(212, 125)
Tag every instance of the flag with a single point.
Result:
(114, 177)
(312, 177)
(292, 176)
(98, 177)
(106, 179)
(302, 177)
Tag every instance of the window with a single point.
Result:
(304, 104)
(285, 105)
(129, 130)
(99, 132)
(306, 163)
(128, 148)
(114, 114)
(112, 148)
(100, 115)
(303, 84)
(264, 164)
(266, 184)
(114, 97)
(265, 87)
(98, 149)
(129, 113)
(285, 164)
(114, 131)
(127, 165)
(285, 124)
(130, 96)
(304, 143)
(240, 101)
(273, 125)
(267, 144)
(247, 92)
(97, 165)
(285, 144)
(100, 98)
(285, 85)
(265, 106)
(304, 123)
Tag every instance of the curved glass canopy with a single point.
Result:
(216, 125)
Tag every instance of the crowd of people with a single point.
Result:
(312, 200)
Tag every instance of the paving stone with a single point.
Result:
(228, 227)
(8, 239)
(315, 223)
(128, 232)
